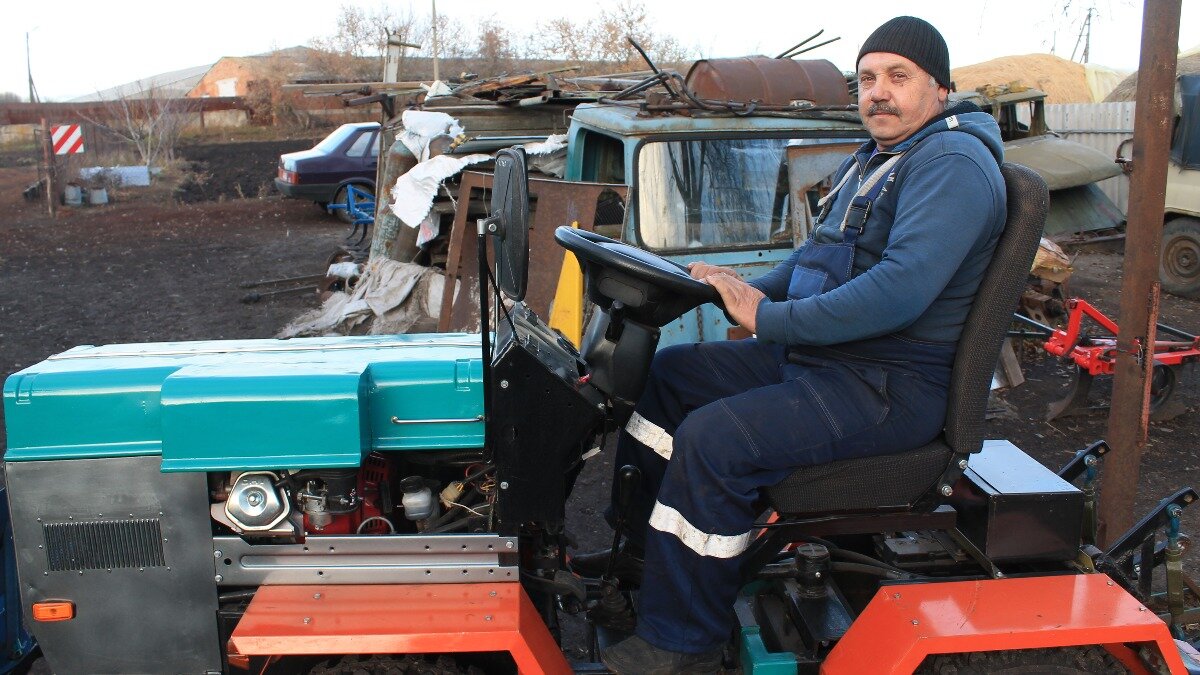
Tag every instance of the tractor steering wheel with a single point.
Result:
(592, 248)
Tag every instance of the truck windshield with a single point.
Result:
(722, 193)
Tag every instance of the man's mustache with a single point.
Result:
(881, 107)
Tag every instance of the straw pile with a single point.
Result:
(1127, 90)
(1063, 81)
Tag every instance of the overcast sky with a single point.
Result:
(81, 46)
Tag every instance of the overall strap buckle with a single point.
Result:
(857, 213)
(860, 206)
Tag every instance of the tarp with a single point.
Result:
(391, 297)
(1101, 80)
(1185, 146)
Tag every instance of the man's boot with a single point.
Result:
(635, 656)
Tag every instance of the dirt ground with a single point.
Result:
(239, 170)
(168, 268)
(149, 268)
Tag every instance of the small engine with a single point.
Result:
(370, 500)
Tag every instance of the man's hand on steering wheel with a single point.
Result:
(703, 270)
(741, 299)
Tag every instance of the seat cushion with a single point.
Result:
(881, 482)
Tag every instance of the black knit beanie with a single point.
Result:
(914, 39)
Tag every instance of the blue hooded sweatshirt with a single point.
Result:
(923, 251)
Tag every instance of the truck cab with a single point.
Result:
(737, 191)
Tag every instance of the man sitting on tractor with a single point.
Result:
(856, 336)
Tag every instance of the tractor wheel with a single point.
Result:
(412, 664)
(1059, 661)
(1179, 267)
(1162, 386)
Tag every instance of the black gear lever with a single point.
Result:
(629, 477)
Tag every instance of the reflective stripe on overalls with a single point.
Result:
(720, 420)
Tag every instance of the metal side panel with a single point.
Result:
(398, 559)
(132, 548)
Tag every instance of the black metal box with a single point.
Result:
(1013, 508)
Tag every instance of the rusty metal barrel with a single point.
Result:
(769, 81)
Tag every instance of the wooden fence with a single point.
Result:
(1101, 126)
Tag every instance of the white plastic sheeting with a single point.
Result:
(137, 176)
(412, 196)
(548, 156)
(391, 297)
(422, 126)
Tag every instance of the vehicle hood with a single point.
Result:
(1062, 163)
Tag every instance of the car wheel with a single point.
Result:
(1179, 267)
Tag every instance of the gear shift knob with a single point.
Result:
(628, 479)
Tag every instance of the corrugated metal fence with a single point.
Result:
(1101, 126)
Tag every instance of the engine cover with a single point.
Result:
(250, 404)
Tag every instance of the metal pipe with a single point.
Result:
(1128, 418)
(788, 52)
(819, 44)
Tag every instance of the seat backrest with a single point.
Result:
(990, 315)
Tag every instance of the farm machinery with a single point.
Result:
(1094, 354)
(393, 504)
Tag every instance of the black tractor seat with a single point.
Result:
(873, 494)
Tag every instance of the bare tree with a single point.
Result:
(359, 41)
(603, 42)
(9, 97)
(495, 47)
(145, 119)
(268, 102)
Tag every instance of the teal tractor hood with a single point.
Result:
(250, 404)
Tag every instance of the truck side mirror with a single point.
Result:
(510, 222)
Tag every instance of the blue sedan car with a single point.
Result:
(348, 156)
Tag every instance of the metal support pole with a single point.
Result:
(1128, 420)
(435, 41)
(48, 158)
(29, 70)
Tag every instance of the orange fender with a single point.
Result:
(904, 623)
(398, 619)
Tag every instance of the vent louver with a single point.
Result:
(103, 544)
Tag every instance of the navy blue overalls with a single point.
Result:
(720, 420)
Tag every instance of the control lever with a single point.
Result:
(614, 611)
(628, 480)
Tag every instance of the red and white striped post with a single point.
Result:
(67, 139)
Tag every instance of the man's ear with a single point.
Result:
(943, 94)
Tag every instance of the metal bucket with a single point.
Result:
(98, 196)
(72, 195)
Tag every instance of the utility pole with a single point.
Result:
(435, 41)
(1129, 416)
(1085, 36)
(29, 71)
